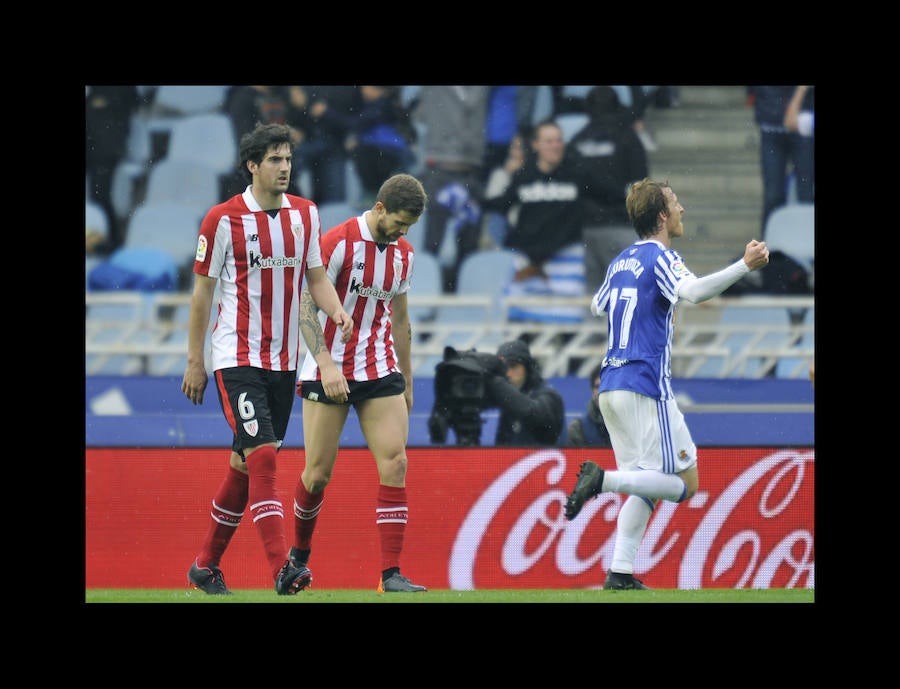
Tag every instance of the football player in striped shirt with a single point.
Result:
(256, 247)
(655, 455)
(370, 263)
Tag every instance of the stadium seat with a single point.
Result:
(189, 99)
(207, 137)
(483, 273)
(564, 278)
(571, 123)
(426, 282)
(334, 213)
(193, 183)
(483, 277)
(416, 234)
(172, 227)
(791, 229)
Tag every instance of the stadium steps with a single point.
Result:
(708, 149)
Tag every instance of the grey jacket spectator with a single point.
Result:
(453, 122)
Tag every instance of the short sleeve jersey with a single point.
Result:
(259, 259)
(366, 276)
(639, 296)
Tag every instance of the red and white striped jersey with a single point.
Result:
(366, 276)
(260, 262)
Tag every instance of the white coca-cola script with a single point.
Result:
(754, 532)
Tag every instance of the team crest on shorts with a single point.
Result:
(682, 454)
(251, 427)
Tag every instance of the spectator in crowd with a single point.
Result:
(656, 458)
(634, 101)
(509, 112)
(380, 140)
(547, 196)
(323, 153)
(248, 106)
(259, 246)
(589, 429)
(531, 411)
(613, 157)
(781, 149)
(497, 223)
(453, 119)
(95, 233)
(107, 111)
(371, 264)
(800, 113)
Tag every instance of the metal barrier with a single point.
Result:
(134, 333)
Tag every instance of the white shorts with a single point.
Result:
(647, 433)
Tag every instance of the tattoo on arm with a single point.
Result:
(310, 327)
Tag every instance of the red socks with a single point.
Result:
(390, 519)
(227, 509)
(306, 514)
(265, 507)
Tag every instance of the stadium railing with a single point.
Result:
(154, 330)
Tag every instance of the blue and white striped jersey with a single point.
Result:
(639, 296)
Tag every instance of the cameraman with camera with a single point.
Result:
(531, 412)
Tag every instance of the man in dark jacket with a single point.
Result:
(780, 149)
(612, 156)
(531, 412)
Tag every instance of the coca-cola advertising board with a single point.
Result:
(479, 518)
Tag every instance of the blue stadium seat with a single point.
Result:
(208, 138)
(191, 182)
(172, 227)
(189, 99)
(791, 229)
(335, 213)
(426, 281)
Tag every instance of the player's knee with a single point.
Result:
(237, 462)
(691, 480)
(316, 481)
(690, 487)
(392, 470)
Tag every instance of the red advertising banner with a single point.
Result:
(479, 518)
